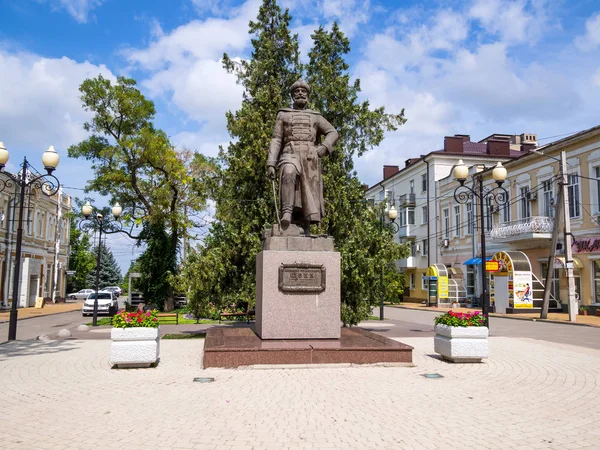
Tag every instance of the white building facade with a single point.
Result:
(414, 192)
(45, 246)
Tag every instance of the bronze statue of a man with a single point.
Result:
(300, 139)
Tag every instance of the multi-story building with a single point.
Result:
(524, 225)
(413, 190)
(45, 245)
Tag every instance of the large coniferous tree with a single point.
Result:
(223, 270)
(244, 197)
(367, 250)
(110, 272)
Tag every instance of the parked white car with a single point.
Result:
(81, 295)
(116, 289)
(107, 303)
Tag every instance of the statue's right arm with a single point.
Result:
(275, 146)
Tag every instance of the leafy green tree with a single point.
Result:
(110, 272)
(244, 199)
(367, 248)
(81, 259)
(134, 163)
(156, 264)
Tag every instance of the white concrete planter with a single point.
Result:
(461, 344)
(134, 347)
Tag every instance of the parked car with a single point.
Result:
(115, 289)
(81, 295)
(107, 303)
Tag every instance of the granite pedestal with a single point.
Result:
(297, 287)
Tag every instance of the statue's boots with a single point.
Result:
(286, 220)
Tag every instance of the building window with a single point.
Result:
(457, 221)
(412, 186)
(424, 283)
(424, 218)
(470, 281)
(548, 189)
(424, 182)
(470, 230)
(425, 247)
(573, 195)
(402, 217)
(554, 283)
(412, 281)
(410, 216)
(446, 222)
(489, 218)
(525, 206)
(506, 209)
(596, 187)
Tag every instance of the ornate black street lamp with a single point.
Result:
(48, 184)
(392, 214)
(494, 194)
(106, 226)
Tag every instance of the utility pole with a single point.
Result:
(567, 239)
(550, 269)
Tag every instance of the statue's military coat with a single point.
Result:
(296, 138)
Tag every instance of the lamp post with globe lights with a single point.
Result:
(496, 194)
(49, 185)
(392, 214)
(103, 225)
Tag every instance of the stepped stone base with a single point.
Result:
(235, 347)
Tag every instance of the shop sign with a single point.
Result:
(492, 266)
(442, 287)
(588, 245)
(523, 290)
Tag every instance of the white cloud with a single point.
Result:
(40, 99)
(350, 14)
(515, 21)
(591, 39)
(185, 67)
(78, 9)
(596, 78)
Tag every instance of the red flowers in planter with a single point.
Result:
(459, 319)
(126, 319)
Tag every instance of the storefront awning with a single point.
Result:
(475, 261)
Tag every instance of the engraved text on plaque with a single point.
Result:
(302, 278)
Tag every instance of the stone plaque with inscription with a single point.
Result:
(302, 278)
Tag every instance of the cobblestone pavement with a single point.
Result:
(530, 394)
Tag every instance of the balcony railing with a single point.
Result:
(535, 224)
(407, 200)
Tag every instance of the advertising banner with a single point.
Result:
(523, 290)
(442, 287)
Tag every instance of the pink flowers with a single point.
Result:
(460, 319)
(136, 319)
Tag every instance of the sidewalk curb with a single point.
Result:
(41, 315)
(506, 316)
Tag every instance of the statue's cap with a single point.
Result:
(298, 84)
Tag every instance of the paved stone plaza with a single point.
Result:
(530, 394)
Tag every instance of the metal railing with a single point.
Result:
(407, 199)
(535, 224)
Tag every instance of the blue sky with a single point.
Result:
(475, 67)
